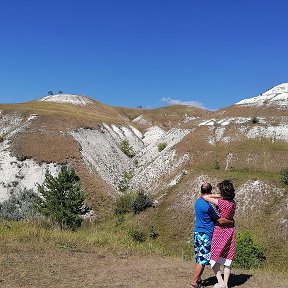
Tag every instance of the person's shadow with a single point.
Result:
(234, 280)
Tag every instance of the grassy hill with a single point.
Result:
(220, 144)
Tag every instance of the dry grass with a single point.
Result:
(165, 117)
(97, 111)
(32, 256)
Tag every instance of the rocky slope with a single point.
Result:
(246, 142)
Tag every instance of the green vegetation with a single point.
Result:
(141, 203)
(124, 203)
(255, 120)
(62, 199)
(161, 146)
(248, 254)
(284, 176)
(153, 233)
(126, 148)
(123, 184)
(132, 202)
(19, 206)
(137, 234)
(216, 165)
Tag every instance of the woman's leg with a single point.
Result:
(227, 272)
(216, 269)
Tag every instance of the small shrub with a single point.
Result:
(50, 93)
(141, 203)
(124, 203)
(136, 162)
(284, 176)
(137, 234)
(123, 184)
(161, 146)
(153, 233)
(126, 148)
(216, 165)
(255, 120)
(119, 219)
(248, 253)
(1, 138)
(19, 206)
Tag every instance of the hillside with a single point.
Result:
(246, 142)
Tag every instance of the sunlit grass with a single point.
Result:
(33, 236)
(68, 110)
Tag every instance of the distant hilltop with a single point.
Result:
(67, 98)
(277, 95)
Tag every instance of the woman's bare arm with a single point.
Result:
(212, 198)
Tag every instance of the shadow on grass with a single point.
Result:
(234, 280)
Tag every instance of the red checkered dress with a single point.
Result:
(224, 238)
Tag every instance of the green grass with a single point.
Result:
(114, 236)
(33, 236)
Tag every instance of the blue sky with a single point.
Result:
(143, 52)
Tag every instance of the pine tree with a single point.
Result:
(62, 199)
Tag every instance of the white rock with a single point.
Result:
(67, 98)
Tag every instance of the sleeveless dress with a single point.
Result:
(224, 238)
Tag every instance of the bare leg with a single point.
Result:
(198, 270)
(216, 269)
(227, 272)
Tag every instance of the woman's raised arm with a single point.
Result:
(212, 198)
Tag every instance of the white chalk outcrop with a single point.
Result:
(16, 174)
(153, 164)
(67, 99)
(101, 152)
(231, 129)
(278, 95)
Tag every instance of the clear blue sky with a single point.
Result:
(143, 52)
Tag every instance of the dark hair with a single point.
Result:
(227, 190)
(206, 188)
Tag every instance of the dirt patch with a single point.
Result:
(80, 269)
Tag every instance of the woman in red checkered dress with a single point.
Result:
(224, 237)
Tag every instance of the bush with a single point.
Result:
(137, 234)
(248, 253)
(62, 199)
(119, 219)
(153, 233)
(161, 146)
(216, 165)
(255, 120)
(141, 203)
(20, 205)
(284, 176)
(123, 184)
(124, 204)
(126, 148)
(1, 138)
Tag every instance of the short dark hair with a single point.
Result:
(206, 188)
(227, 190)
